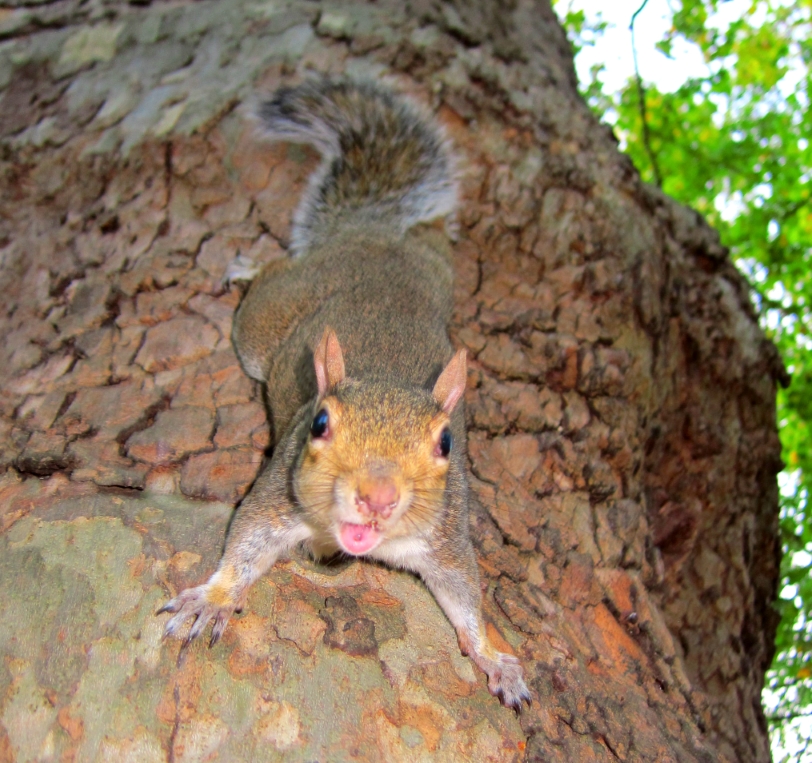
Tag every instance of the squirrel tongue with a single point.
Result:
(358, 539)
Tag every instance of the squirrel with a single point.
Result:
(349, 337)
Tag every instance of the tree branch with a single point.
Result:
(641, 99)
(789, 716)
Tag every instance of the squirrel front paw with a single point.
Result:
(506, 681)
(205, 603)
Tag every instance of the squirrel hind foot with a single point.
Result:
(509, 686)
(505, 677)
(241, 268)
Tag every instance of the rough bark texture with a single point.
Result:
(621, 406)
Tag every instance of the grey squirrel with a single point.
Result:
(350, 338)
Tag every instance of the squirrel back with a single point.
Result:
(361, 264)
(382, 162)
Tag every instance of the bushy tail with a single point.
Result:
(382, 160)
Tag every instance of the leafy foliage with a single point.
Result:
(735, 145)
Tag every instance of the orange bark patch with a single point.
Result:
(186, 682)
(137, 565)
(18, 497)
(6, 753)
(254, 159)
(379, 598)
(249, 655)
(426, 720)
(496, 639)
(618, 587)
(441, 678)
(183, 561)
(614, 644)
(74, 727)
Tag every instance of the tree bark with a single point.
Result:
(622, 439)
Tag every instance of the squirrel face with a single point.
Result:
(374, 466)
(375, 461)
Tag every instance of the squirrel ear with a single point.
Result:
(329, 362)
(450, 387)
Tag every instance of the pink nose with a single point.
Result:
(378, 497)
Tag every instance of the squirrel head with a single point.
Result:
(376, 458)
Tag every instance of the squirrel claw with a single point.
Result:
(220, 622)
(505, 681)
(194, 603)
(200, 623)
(516, 704)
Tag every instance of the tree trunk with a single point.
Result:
(622, 437)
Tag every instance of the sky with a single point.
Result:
(614, 47)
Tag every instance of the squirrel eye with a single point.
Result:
(444, 446)
(319, 426)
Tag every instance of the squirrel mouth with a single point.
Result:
(359, 539)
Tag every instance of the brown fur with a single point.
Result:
(355, 330)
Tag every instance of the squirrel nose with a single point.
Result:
(378, 496)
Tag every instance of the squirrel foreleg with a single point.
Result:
(455, 585)
(265, 528)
